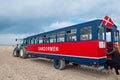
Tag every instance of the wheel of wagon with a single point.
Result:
(15, 53)
(23, 53)
(59, 64)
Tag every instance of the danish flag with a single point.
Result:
(107, 21)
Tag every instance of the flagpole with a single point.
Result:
(100, 25)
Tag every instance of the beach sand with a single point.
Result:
(15, 68)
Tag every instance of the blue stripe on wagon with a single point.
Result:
(79, 60)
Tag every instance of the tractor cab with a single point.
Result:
(21, 42)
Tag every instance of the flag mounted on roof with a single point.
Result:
(107, 21)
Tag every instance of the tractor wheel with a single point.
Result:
(23, 53)
(15, 53)
(59, 64)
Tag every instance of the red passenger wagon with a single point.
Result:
(85, 44)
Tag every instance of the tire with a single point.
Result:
(16, 52)
(59, 64)
(23, 53)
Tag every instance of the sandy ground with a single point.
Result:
(12, 68)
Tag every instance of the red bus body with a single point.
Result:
(87, 52)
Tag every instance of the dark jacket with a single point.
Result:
(115, 59)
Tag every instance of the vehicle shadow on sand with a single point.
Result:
(77, 69)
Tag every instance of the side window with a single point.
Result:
(60, 36)
(101, 33)
(52, 38)
(116, 36)
(45, 39)
(25, 41)
(40, 40)
(29, 41)
(71, 35)
(86, 33)
(36, 40)
(32, 41)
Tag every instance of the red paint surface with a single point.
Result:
(84, 48)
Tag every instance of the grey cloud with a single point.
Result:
(33, 16)
(45, 8)
(29, 25)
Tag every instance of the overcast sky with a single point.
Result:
(20, 18)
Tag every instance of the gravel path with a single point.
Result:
(12, 68)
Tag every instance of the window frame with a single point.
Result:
(70, 34)
(52, 38)
(102, 33)
(83, 35)
(46, 39)
(61, 35)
